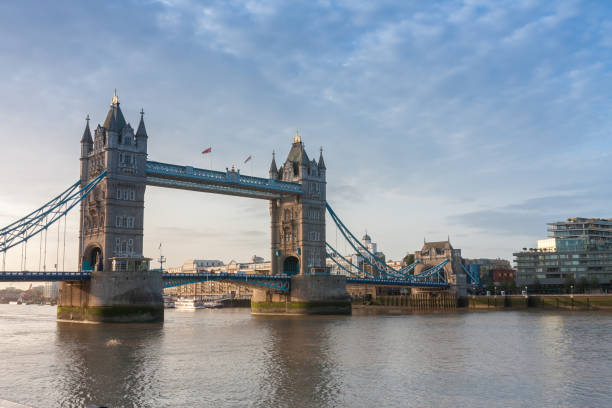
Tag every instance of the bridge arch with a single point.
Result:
(291, 266)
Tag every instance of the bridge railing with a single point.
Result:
(43, 276)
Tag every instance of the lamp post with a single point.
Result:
(572, 290)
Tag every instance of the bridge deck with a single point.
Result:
(27, 276)
(281, 282)
(229, 182)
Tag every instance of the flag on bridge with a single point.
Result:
(248, 158)
(209, 150)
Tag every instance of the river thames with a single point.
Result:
(228, 358)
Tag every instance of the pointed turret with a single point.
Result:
(115, 122)
(142, 131)
(87, 133)
(273, 170)
(86, 140)
(321, 162)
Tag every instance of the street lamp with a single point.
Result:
(525, 290)
(572, 289)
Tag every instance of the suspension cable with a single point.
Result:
(59, 223)
(25, 255)
(40, 252)
(64, 255)
(45, 254)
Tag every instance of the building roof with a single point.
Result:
(115, 121)
(297, 154)
(437, 244)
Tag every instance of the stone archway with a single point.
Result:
(291, 266)
(93, 259)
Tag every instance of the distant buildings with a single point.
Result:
(51, 290)
(490, 270)
(434, 253)
(579, 249)
(358, 260)
(257, 266)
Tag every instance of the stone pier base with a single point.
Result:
(310, 294)
(113, 297)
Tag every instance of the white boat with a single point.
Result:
(214, 304)
(187, 304)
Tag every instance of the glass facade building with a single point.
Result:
(577, 248)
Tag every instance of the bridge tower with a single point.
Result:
(298, 241)
(111, 228)
(298, 222)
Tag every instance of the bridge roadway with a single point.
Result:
(278, 282)
(229, 182)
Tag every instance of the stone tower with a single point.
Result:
(298, 222)
(121, 288)
(113, 213)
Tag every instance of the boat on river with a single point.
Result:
(187, 303)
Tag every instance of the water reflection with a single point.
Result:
(299, 369)
(105, 364)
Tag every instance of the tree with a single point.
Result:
(582, 284)
(594, 283)
(408, 259)
(490, 287)
(569, 282)
(536, 286)
(512, 288)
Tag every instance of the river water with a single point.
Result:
(228, 358)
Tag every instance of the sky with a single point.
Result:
(479, 120)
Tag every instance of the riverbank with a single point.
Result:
(516, 302)
(564, 302)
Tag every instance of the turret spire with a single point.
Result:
(87, 133)
(142, 131)
(321, 162)
(297, 138)
(115, 100)
(273, 168)
(114, 119)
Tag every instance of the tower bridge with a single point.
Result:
(114, 281)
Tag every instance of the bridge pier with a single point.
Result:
(310, 294)
(117, 296)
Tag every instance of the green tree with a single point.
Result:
(512, 288)
(408, 259)
(536, 286)
(594, 283)
(490, 287)
(582, 284)
(568, 283)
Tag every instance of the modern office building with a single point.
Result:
(51, 290)
(576, 248)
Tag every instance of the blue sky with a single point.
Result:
(482, 120)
